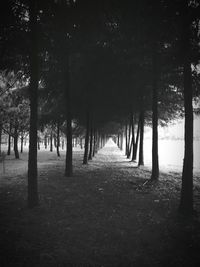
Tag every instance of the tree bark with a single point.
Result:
(85, 158)
(141, 150)
(135, 146)
(0, 136)
(91, 141)
(45, 141)
(32, 157)
(118, 139)
(58, 139)
(55, 141)
(94, 143)
(81, 142)
(22, 143)
(9, 145)
(38, 143)
(133, 137)
(68, 162)
(129, 126)
(51, 141)
(16, 151)
(126, 138)
(63, 144)
(186, 201)
(155, 164)
(121, 141)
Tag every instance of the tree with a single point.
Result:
(186, 201)
(15, 109)
(155, 164)
(68, 165)
(87, 136)
(33, 199)
(141, 153)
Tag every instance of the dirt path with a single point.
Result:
(103, 216)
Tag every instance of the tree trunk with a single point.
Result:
(121, 141)
(155, 164)
(133, 141)
(186, 201)
(126, 138)
(135, 148)
(22, 143)
(94, 143)
(51, 142)
(129, 136)
(38, 143)
(68, 162)
(16, 151)
(91, 142)
(45, 141)
(9, 145)
(97, 142)
(58, 139)
(118, 139)
(32, 158)
(55, 141)
(141, 152)
(81, 142)
(85, 158)
(63, 144)
(0, 136)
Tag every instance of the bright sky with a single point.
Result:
(175, 130)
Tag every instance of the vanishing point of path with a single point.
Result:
(106, 215)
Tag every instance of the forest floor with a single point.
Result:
(107, 214)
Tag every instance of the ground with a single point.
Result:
(107, 214)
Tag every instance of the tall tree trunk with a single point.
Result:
(9, 144)
(68, 161)
(55, 141)
(141, 151)
(58, 139)
(0, 136)
(91, 141)
(121, 140)
(186, 201)
(135, 148)
(38, 143)
(118, 139)
(126, 138)
(133, 137)
(97, 142)
(45, 141)
(94, 143)
(51, 141)
(63, 143)
(32, 157)
(16, 151)
(85, 158)
(81, 142)
(129, 135)
(22, 144)
(155, 164)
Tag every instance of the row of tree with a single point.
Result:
(98, 63)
